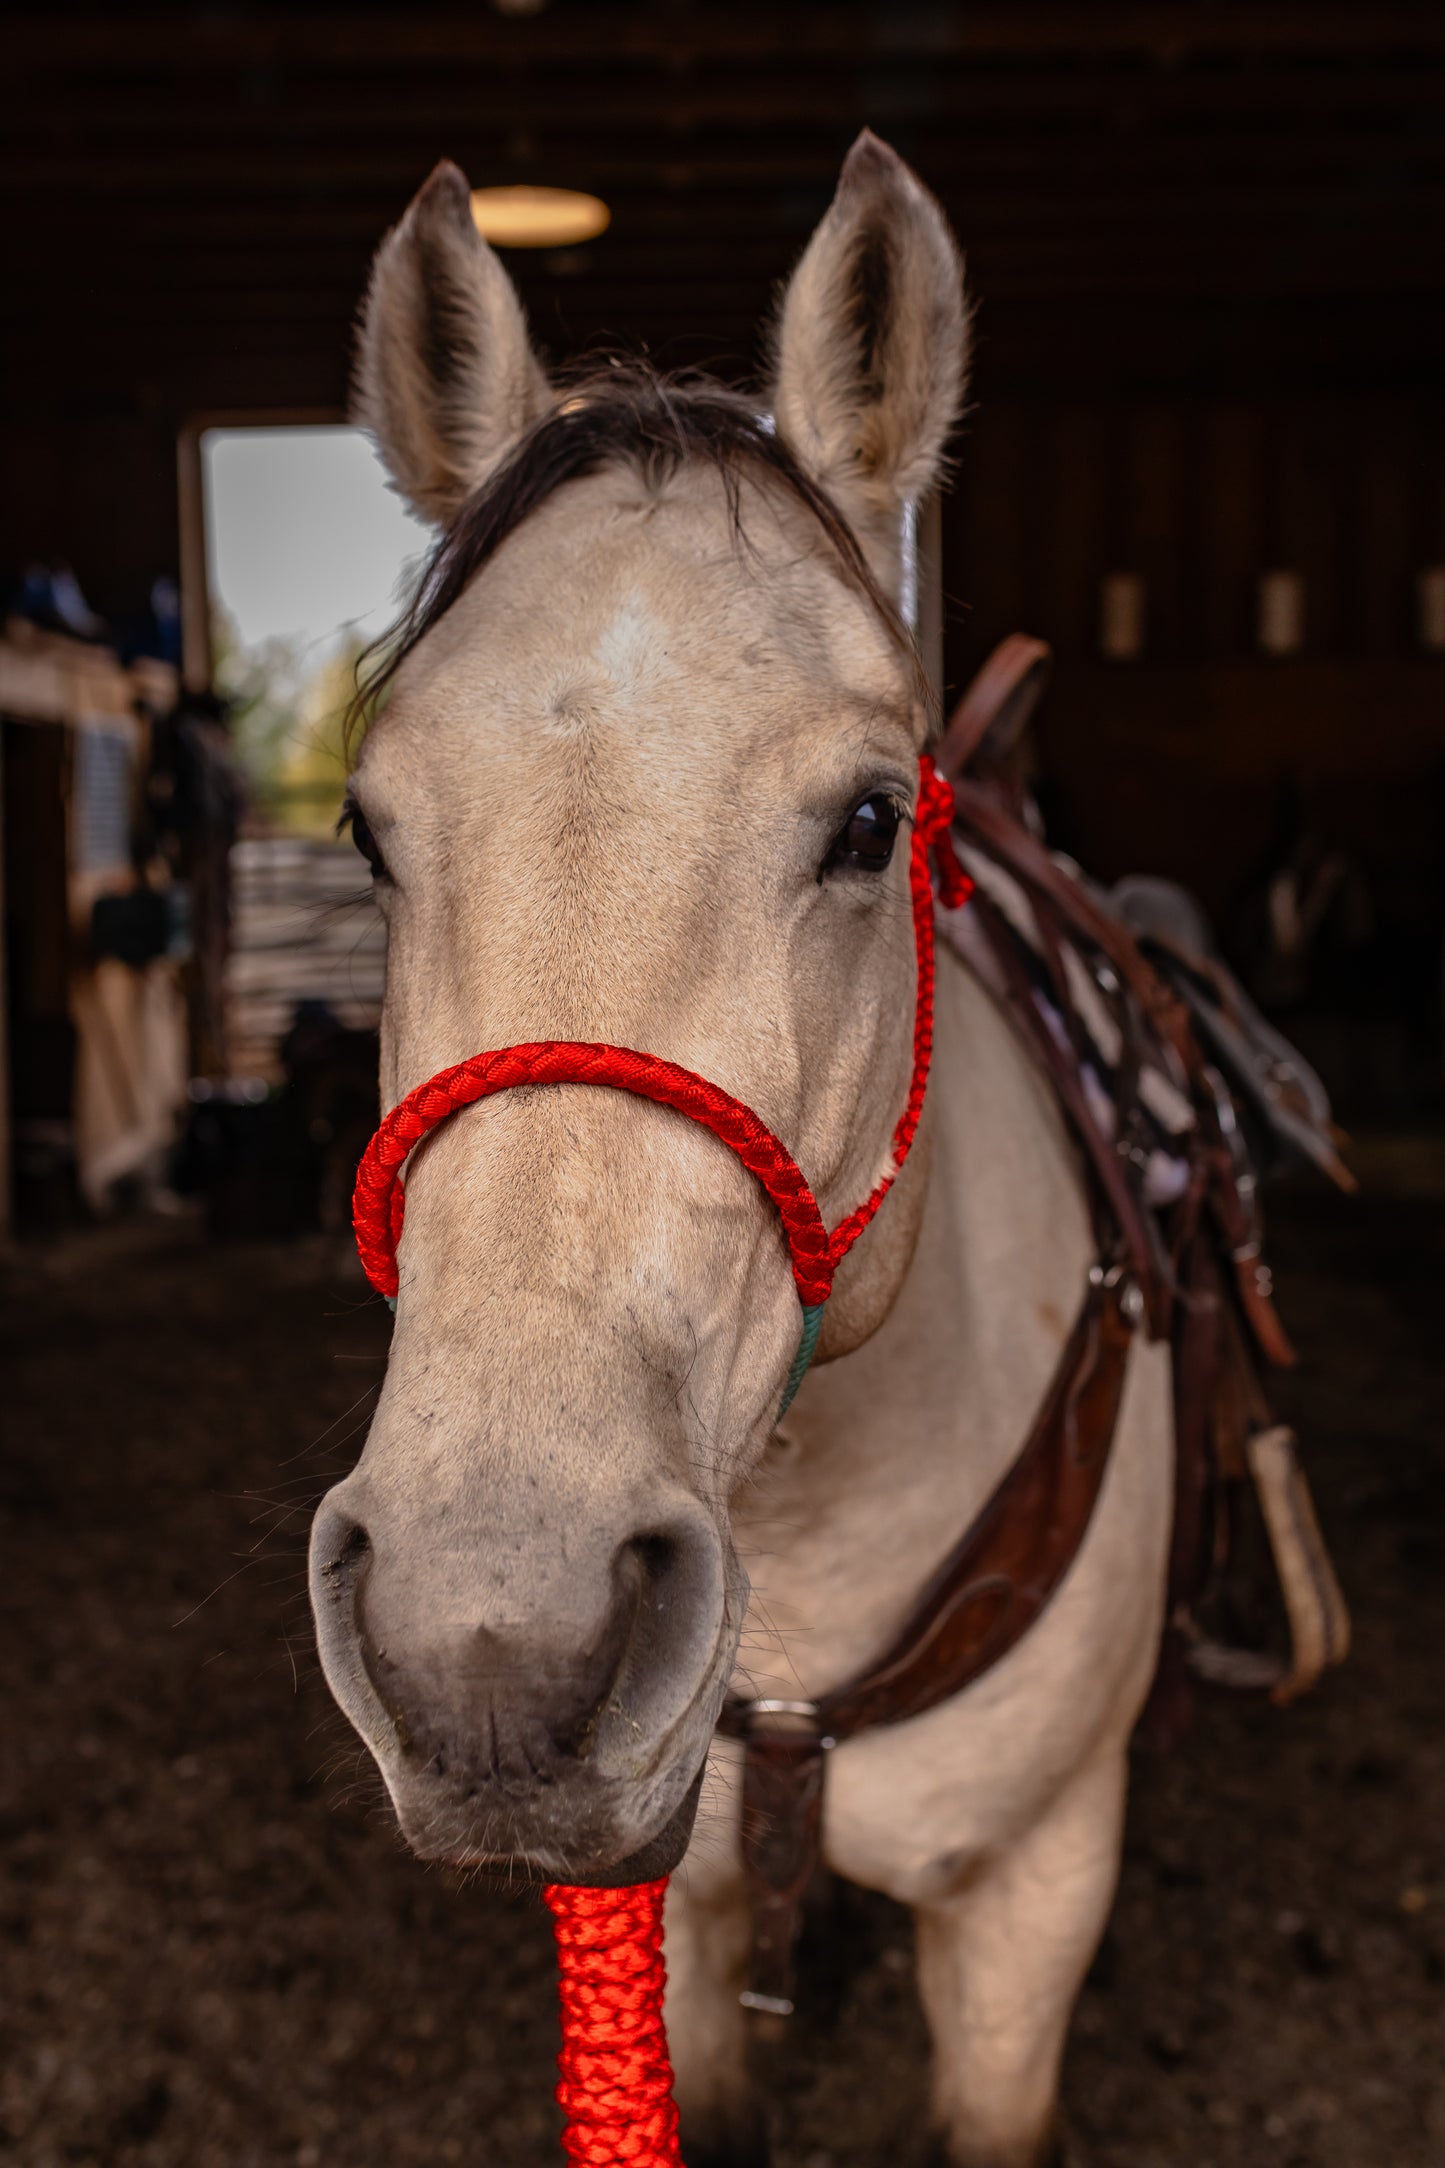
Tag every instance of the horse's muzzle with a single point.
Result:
(552, 1714)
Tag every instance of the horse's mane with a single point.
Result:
(613, 412)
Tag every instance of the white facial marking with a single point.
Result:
(620, 671)
(630, 649)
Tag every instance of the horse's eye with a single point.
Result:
(365, 841)
(865, 842)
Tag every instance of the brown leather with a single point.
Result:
(1002, 1571)
(782, 1845)
(1198, 1342)
(1120, 1221)
(1000, 699)
(1031, 862)
(1060, 900)
(981, 1600)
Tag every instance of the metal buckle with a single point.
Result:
(786, 1719)
(765, 2005)
(1131, 1294)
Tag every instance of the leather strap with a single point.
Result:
(982, 1599)
(1118, 1216)
(1000, 699)
(1001, 1573)
(1057, 895)
(1033, 863)
(782, 1845)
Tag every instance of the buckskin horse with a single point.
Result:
(644, 777)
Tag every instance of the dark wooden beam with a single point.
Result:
(1149, 31)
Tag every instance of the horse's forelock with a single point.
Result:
(614, 413)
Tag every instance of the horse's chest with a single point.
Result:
(909, 1807)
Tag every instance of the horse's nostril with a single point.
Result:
(340, 1549)
(341, 1558)
(674, 1578)
(657, 1553)
(656, 1562)
(640, 1561)
(354, 1549)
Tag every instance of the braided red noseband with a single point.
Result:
(379, 1201)
(616, 2079)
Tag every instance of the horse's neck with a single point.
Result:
(888, 1452)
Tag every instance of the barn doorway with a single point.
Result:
(307, 558)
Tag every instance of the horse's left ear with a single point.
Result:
(872, 346)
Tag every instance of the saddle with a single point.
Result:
(1180, 1097)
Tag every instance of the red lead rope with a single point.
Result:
(616, 2087)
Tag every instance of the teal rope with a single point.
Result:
(807, 1348)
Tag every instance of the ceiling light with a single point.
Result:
(538, 217)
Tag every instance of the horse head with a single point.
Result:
(649, 738)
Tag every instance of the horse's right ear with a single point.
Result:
(446, 379)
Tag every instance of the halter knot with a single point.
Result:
(934, 823)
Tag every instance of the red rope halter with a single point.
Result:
(616, 2084)
(379, 1201)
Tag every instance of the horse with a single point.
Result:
(650, 736)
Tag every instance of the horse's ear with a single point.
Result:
(446, 379)
(872, 344)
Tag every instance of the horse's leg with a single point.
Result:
(708, 1944)
(1000, 1962)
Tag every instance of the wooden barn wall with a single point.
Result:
(1178, 761)
(1207, 242)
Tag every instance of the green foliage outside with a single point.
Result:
(287, 716)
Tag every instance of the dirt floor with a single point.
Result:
(216, 1954)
